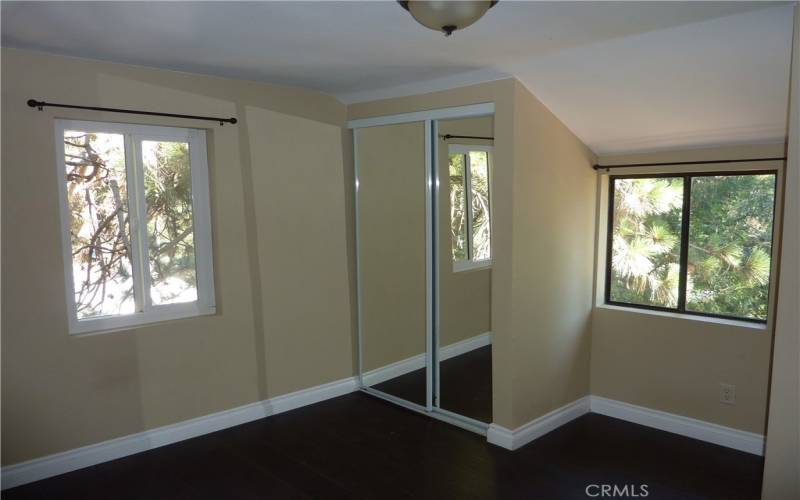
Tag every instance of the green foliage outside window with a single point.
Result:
(729, 245)
(168, 195)
(646, 233)
(101, 238)
(97, 196)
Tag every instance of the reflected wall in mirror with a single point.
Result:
(392, 250)
(464, 267)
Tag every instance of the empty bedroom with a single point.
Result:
(415, 249)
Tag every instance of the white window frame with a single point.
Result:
(469, 264)
(146, 312)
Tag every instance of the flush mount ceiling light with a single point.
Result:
(447, 16)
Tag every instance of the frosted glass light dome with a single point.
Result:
(447, 16)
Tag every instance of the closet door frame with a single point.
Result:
(432, 187)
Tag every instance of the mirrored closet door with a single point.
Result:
(424, 247)
(392, 253)
(464, 267)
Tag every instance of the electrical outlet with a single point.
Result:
(727, 394)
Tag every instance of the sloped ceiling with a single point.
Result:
(624, 76)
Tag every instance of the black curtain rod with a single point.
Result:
(448, 136)
(661, 164)
(41, 104)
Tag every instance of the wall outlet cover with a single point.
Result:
(727, 394)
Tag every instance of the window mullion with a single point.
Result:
(133, 222)
(468, 202)
(684, 257)
(142, 264)
(609, 237)
(200, 214)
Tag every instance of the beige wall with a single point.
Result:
(465, 297)
(676, 364)
(391, 169)
(299, 225)
(782, 466)
(552, 261)
(271, 334)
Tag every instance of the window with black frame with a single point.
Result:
(697, 243)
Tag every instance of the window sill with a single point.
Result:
(138, 320)
(468, 265)
(690, 317)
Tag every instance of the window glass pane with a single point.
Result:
(481, 226)
(97, 195)
(168, 197)
(646, 233)
(730, 245)
(458, 210)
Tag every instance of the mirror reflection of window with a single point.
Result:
(479, 194)
(458, 207)
(470, 207)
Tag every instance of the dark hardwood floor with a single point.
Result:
(357, 446)
(465, 385)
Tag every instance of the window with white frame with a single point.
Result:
(135, 223)
(470, 207)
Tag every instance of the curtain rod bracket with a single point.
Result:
(33, 103)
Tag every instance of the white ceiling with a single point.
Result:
(624, 76)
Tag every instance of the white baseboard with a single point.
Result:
(511, 440)
(685, 426)
(60, 463)
(464, 346)
(408, 365)
(677, 424)
(396, 369)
